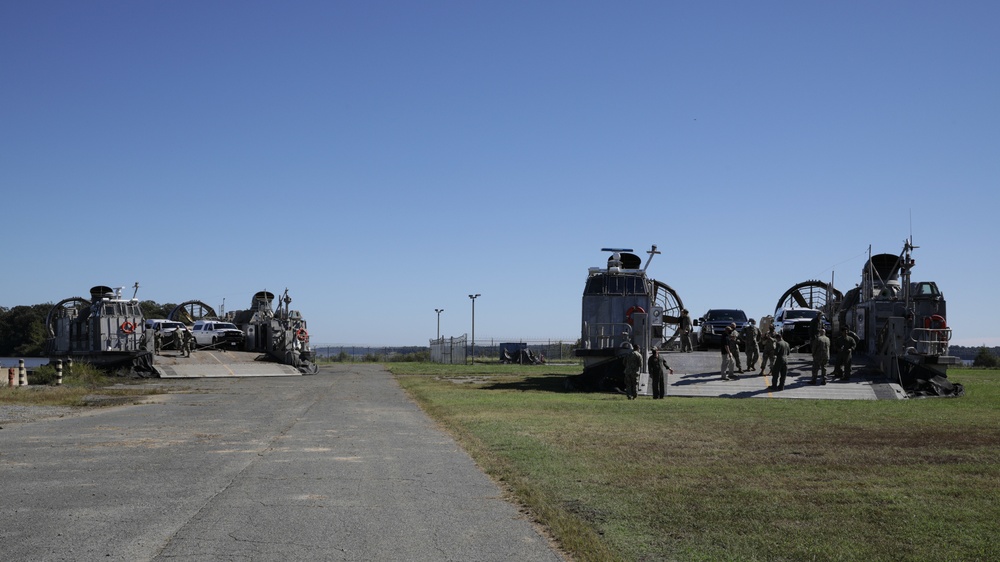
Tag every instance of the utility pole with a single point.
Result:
(473, 297)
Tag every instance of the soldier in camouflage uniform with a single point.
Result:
(658, 369)
(821, 356)
(815, 325)
(686, 331)
(780, 368)
(767, 349)
(734, 336)
(179, 340)
(846, 342)
(633, 363)
(751, 336)
(728, 346)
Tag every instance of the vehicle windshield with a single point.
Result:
(791, 314)
(226, 326)
(726, 315)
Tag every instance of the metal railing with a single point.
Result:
(931, 341)
(606, 335)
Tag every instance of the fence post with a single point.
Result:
(22, 373)
(59, 372)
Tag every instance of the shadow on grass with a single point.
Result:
(544, 383)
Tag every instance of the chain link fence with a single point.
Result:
(448, 350)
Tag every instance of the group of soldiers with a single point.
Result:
(658, 369)
(771, 349)
(846, 342)
(768, 347)
(180, 339)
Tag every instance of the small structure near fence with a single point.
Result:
(450, 351)
(518, 353)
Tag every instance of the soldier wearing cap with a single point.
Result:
(767, 349)
(846, 341)
(179, 340)
(685, 330)
(735, 337)
(728, 364)
(815, 326)
(780, 368)
(658, 369)
(821, 356)
(751, 335)
(632, 363)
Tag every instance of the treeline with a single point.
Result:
(981, 356)
(970, 353)
(23, 331)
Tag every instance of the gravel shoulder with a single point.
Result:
(17, 413)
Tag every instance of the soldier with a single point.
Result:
(846, 342)
(767, 347)
(186, 342)
(815, 326)
(780, 367)
(156, 342)
(657, 369)
(179, 340)
(751, 336)
(633, 362)
(728, 363)
(735, 336)
(821, 356)
(685, 331)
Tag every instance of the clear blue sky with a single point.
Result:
(383, 159)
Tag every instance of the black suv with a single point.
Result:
(713, 325)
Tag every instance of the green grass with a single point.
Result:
(724, 479)
(78, 388)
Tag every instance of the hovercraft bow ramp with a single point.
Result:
(220, 364)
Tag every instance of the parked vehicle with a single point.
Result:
(165, 329)
(713, 325)
(214, 333)
(793, 323)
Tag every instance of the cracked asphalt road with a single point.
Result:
(335, 466)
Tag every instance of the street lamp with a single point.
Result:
(439, 311)
(473, 297)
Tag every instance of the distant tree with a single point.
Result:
(152, 309)
(985, 358)
(22, 330)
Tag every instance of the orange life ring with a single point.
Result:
(935, 321)
(128, 327)
(634, 309)
(301, 334)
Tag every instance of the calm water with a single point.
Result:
(29, 362)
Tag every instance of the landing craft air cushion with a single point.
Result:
(622, 305)
(110, 332)
(901, 325)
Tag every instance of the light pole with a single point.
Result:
(473, 297)
(439, 311)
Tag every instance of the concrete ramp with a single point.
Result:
(218, 364)
(697, 374)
